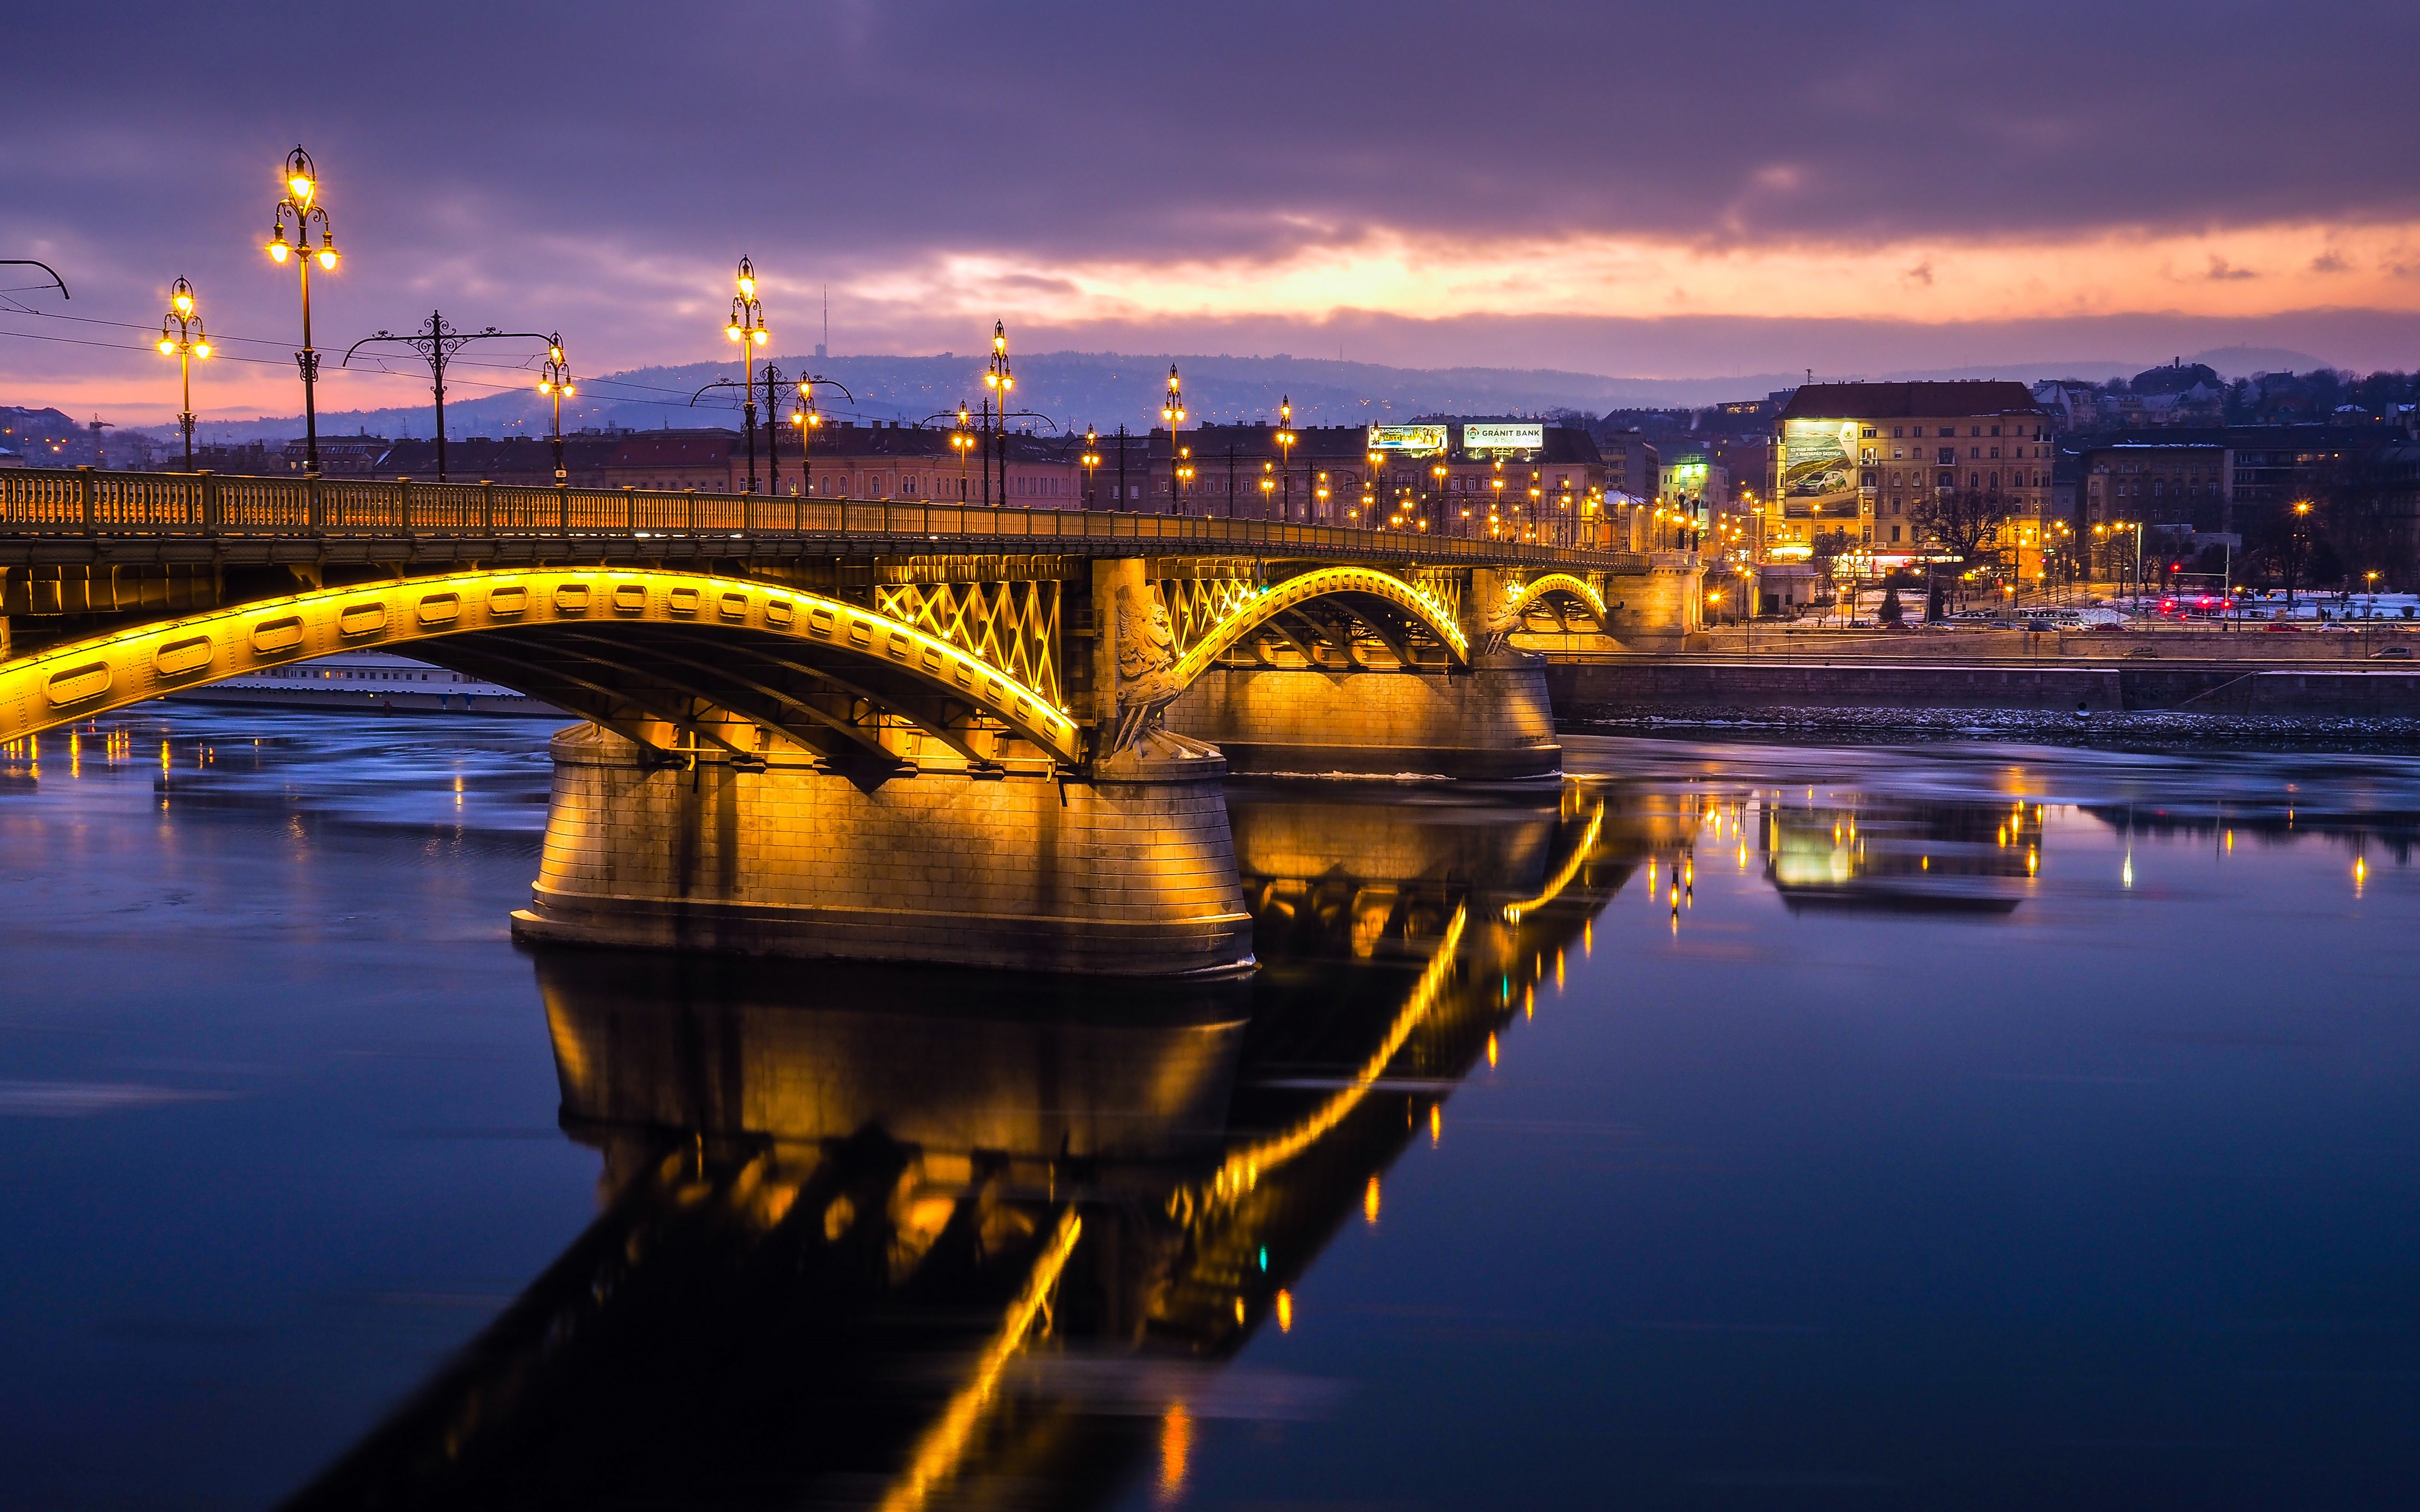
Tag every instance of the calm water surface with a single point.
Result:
(1959, 1126)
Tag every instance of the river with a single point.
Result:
(1959, 1124)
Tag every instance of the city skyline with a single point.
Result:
(1926, 196)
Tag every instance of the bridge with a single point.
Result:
(882, 730)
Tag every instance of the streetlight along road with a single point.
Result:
(554, 381)
(301, 202)
(187, 342)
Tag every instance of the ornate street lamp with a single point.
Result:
(997, 378)
(1285, 439)
(747, 327)
(301, 203)
(1172, 411)
(554, 381)
(187, 342)
(962, 441)
(1092, 460)
(809, 420)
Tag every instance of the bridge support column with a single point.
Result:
(1131, 874)
(1491, 723)
(1661, 607)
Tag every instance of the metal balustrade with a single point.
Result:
(85, 502)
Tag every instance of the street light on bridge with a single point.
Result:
(962, 441)
(301, 202)
(1000, 380)
(1285, 440)
(809, 420)
(1092, 461)
(747, 328)
(190, 341)
(1173, 413)
(554, 381)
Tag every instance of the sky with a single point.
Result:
(1637, 190)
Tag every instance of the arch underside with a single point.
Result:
(1559, 603)
(680, 663)
(677, 691)
(1337, 619)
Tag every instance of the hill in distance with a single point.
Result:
(1103, 390)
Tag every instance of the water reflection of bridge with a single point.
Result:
(864, 1241)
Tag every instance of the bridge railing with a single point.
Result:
(88, 502)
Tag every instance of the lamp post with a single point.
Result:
(191, 341)
(1172, 411)
(808, 420)
(554, 381)
(1285, 440)
(962, 441)
(1091, 459)
(299, 201)
(1000, 380)
(747, 327)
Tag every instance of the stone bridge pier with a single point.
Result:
(1128, 872)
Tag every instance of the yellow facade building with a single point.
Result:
(1858, 459)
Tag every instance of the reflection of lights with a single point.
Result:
(1491, 1046)
(1436, 1123)
(1370, 1201)
(1243, 1167)
(1285, 1312)
(1175, 1449)
(2360, 875)
(937, 1455)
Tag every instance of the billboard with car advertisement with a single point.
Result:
(1819, 468)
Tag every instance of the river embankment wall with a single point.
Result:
(1690, 687)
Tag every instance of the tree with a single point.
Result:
(1960, 520)
(1892, 613)
(2288, 546)
(1825, 553)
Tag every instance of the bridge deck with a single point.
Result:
(44, 512)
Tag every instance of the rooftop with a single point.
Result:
(1892, 401)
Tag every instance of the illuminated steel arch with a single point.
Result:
(1562, 587)
(674, 660)
(1376, 597)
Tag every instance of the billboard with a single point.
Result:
(1522, 437)
(1819, 474)
(1413, 439)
